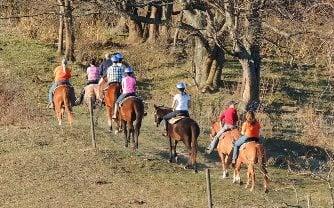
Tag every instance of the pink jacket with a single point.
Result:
(129, 84)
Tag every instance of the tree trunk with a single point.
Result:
(135, 30)
(153, 33)
(167, 15)
(250, 84)
(70, 33)
(122, 25)
(61, 29)
(251, 58)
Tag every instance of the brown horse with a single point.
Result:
(252, 153)
(130, 115)
(91, 91)
(186, 130)
(111, 95)
(61, 99)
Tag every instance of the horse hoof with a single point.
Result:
(116, 132)
(170, 161)
(266, 191)
(196, 171)
(187, 167)
(176, 159)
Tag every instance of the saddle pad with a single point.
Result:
(252, 139)
(121, 103)
(175, 119)
(58, 87)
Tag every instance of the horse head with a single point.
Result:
(159, 113)
(215, 127)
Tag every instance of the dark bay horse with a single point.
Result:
(130, 115)
(62, 103)
(111, 95)
(252, 153)
(186, 130)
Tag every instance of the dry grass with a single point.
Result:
(44, 166)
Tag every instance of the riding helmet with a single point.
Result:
(128, 70)
(114, 59)
(119, 56)
(181, 85)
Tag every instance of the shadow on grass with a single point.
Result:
(295, 156)
(182, 159)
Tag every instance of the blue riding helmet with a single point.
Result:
(181, 85)
(114, 59)
(119, 56)
(128, 70)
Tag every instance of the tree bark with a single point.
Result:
(153, 33)
(135, 30)
(70, 31)
(167, 15)
(61, 28)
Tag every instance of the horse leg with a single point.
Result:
(248, 176)
(236, 174)
(109, 114)
(222, 158)
(187, 143)
(58, 114)
(170, 150)
(126, 144)
(176, 158)
(131, 134)
(252, 174)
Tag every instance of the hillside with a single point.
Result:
(45, 166)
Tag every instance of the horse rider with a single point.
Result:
(228, 120)
(93, 76)
(105, 64)
(62, 75)
(129, 87)
(250, 129)
(180, 105)
(121, 59)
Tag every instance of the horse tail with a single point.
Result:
(262, 159)
(194, 145)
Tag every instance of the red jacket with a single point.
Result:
(229, 116)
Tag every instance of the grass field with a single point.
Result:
(43, 165)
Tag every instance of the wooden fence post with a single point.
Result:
(208, 187)
(92, 128)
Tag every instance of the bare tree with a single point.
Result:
(70, 31)
(61, 27)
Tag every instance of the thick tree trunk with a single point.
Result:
(135, 30)
(153, 33)
(167, 15)
(61, 29)
(70, 33)
(251, 58)
(250, 83)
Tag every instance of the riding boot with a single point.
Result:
(114, 116)
(212, 145)
(166, 127)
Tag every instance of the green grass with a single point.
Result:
(45, 166)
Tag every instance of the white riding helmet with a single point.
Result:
(181, 85)
(128, 70)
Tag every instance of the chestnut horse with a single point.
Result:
(91, 91)
(61, 100)
(111, 95)
(252, 153)
(186, 130)
(130, 114)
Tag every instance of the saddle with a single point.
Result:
(177, 118)
(71, 91)
(251, 139)
(128, 97)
